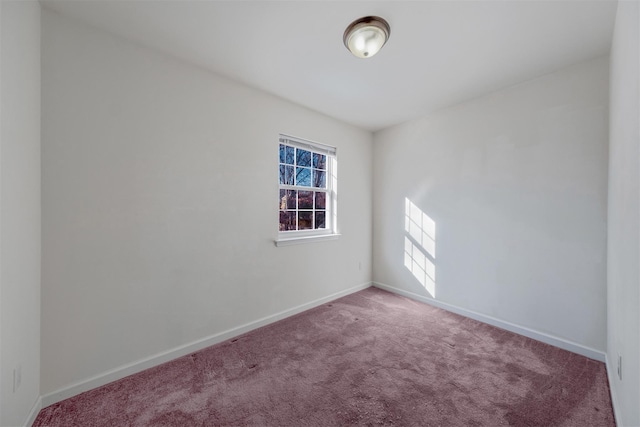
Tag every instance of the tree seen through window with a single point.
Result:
(303, 188)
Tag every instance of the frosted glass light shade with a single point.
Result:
(365, 37)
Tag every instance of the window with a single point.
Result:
(307, 189)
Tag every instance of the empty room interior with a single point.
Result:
(177, 175)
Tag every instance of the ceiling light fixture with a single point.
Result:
(364, 37)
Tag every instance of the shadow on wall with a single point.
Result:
(420, 246)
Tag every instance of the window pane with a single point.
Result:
(286, 154)
(305, 200)
(303, 157)
(321, 200)
(319, 161)
(287, 221)
(303, 177)
(287, 199)
(319, 178)
(320, 220)
(291, 199)
(304, 220)
(286, 174)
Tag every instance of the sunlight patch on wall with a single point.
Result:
(420, 246)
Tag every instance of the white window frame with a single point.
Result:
(330, 231)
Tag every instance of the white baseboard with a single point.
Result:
(520, 330)
(611, 373)
(149, 362)
(33, 414)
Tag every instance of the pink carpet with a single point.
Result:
(371, 358)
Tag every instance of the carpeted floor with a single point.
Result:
(371, 358)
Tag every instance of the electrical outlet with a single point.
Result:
(17, 378)
(620, 366)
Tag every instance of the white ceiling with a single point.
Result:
(439, 53)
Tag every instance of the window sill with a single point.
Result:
(305, 239)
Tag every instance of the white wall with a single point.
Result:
(623, 256)
(515, 182)
(20, 210)
(160, 205)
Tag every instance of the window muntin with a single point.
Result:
(306, 187)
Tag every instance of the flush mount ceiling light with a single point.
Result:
(364, 37)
